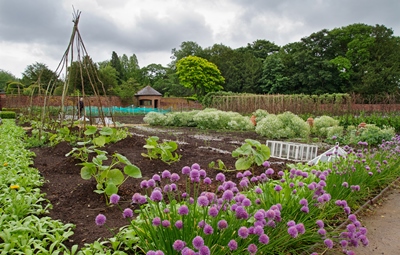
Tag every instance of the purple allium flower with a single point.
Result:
(207, 181)
(244, 183)
(294, 191)
(247, 173)
(291, 223)
(243, 232)
(100, 220)
(347, 209)
(321, 231)
(198, 242)
(166, 174)
(259, 215)
(344, 243)
(352, 217)
(179, 245)
(187, 251)
(351, 228)
(305, 209)
(174, 177)
(258, 201)
(213, 211)
(201, 224)
(222, 224)
(114, 199)
(183, 210)
(208, 230)
(194, 174)
(270, 214)
(144, 184)
(204, 250)
(185, 170)
(191, 200)
(128, 213)
(228, 195)
(293, 231)
(345, 184)
(166, 223)
(258, 230)
(151, 252)
(264, 239)
(159, 252)
(258, 190)
(167, 188)
(156, 221)
(202, 201)
(269, 171)
(328, 243)
(303, 201)
(266, 164)
(355, 187)
(320, 223)
(246, 202)
(195, 166)
(179, 224)
(271, 224)
(220, 177)
(151, 183)
(252, 248)
(278, 188)
(232, 245)
(202, 173)
(156, 178)
(281, 173)
(156, 196)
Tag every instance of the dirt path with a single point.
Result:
(383, 225)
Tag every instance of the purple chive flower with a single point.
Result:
(114, 199)
(222, 224)
(202, 173)
(213, 211)
(345, 184)
(151, 253)
(156, 178)
(293, 231)
(195, 166)
(194, 174)
(208, 230)
(156, 196)
(344, 243)
(305, 209)
(266, 164)
(300, 228)
(258, 230)
(128, 213)
(179, 245)
(202, 201)
(291, 223)
(204, 250)
(167, 188)
(232, 245)
(259, 215)
(151, 183)
(198, 242)
(243, 232)
(207, 181)
(156, 221)
(179, 224)
(269, 171)
(144, 184)
(258, 190)
(252, 248)
(100, 220)
(347, 209)
(228, 195)
(281, 173)
(303, 202)
(247, 173)
(246, 202)
(166, 223)
(185, 170)
(201, 224)
(270, 214)
(183, 210)
(220, 177)
(159, 252)
(264, 239)
(174, 177)
(352, 217)
(328, 243)
(187, 251)
(320, 223)
(278, 188)
(321, 231)
(166, 174)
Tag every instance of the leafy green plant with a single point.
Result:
(220, 165)
(164, 151)
(250, 153)
(108, 177)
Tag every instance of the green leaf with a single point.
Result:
(111, 189)
(87, 172)
(132, 171)
(243, 163)
(90, 130)
(106, 131)
(122, 159)
(115, 176)
(99, 141)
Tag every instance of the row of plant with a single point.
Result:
(24, 226)
(277, 126)
(289, 212)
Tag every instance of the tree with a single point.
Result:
(6, 77)
(40, 76)
(188, 48)
(200, 75)
(83, 77)
(116, 63)
(109, 77)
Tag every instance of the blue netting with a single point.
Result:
(94, 111)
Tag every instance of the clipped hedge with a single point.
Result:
(7, 115)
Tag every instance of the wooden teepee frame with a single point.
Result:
(77, 46)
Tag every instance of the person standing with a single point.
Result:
(81, 106)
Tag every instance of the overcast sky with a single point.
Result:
(39, 30)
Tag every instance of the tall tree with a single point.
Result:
(38, 75)
(188, 48)
(200, 75)
(116, 63)
(6, 77)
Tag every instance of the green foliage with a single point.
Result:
(181, 119)
(155, 119)
(260, 114)
(251, 153)
(7, 115)
(199, 74)
(374, 135)
(108, 177)
(164, 151)
(215, 119)
(285, 125)
(321, 125)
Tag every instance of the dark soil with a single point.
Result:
(75, 202)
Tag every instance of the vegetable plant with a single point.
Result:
(250, 153)
(164, 151)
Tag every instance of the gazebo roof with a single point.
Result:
(148, 91)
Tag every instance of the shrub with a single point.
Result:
(155, 119)
(260, 114)
(211, 118)
(270, 126)
(181, 119)
(7, 115)
(321, 125)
